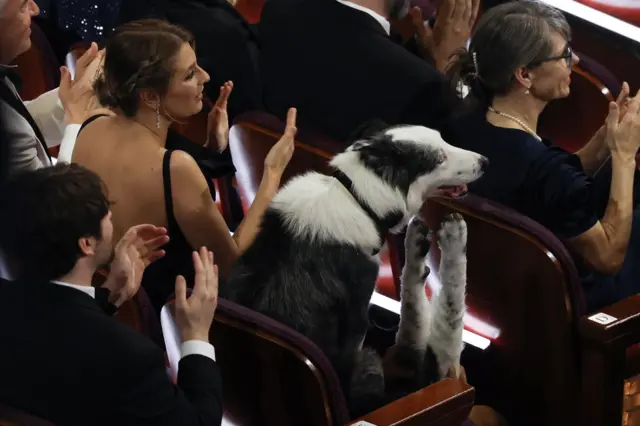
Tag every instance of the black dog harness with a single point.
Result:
(382, 224)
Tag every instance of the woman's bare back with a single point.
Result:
(128, 158)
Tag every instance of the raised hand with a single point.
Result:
(623, 132)
(280, 154)
(77, 95)
(623, 99)
(218, 120)
(87, 65)
(194, 315)
(452, 29)
(139, 247)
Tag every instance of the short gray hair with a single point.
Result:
(508, 36)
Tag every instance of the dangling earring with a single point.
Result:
(526, 92)
(158, 115)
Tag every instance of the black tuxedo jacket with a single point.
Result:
(62, 358)
(226, 45)
(339, 67)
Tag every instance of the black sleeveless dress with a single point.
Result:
(159, 278)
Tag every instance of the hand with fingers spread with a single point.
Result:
(623, 128)
(218, 120)
(452, 29)
(280, 154)
(139, 247)
(77, 95)
(194, 314)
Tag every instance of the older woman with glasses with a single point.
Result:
(519, 59)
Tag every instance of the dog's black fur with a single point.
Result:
(320, 283)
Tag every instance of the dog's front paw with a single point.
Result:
(416, 244)
(452, 237)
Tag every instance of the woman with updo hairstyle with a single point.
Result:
(519, 59)
(151, 79)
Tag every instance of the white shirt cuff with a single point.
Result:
(197, 347)
(68, 142)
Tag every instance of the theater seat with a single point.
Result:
(550, 362)
(250, 139)
(274, 376)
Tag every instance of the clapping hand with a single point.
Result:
(451, 31)
(218, 120)
(623, 126)
(280, 154)
(139, 247)
(77, 95)
(194, 314)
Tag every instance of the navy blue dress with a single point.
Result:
(548, 185)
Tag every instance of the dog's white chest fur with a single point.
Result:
(316, 207)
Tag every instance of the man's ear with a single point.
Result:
(87, 245)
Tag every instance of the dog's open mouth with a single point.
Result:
(456, 191)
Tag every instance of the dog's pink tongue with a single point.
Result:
(452, 191)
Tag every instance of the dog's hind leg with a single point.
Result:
(449, 305)
(404, 363)
(367, 383)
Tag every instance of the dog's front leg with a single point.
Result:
(415, 315)
(404, 363)
(449, 305)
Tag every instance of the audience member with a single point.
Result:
(335, 60)
(69, 362)
(151, 78)
(53, 118)
(228, 47)
(519, 60)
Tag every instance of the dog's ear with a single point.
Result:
(366, 130)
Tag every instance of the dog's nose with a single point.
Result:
(484, 163)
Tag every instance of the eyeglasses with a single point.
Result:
(567, 55)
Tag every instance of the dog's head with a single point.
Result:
(416, 162)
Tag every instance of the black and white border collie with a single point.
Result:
(313, 265)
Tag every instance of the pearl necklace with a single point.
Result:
(518, 121)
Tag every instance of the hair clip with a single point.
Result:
(474, 57)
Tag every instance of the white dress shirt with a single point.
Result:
(190, 347)
(27, 153)
(383, 21)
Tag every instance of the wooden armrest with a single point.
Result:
(622, 331)
(606, 335)
(446, 399)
